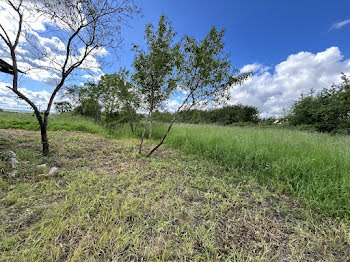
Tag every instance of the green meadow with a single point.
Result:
(313, 167)
(211, 193)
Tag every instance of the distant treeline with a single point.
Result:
(225, 116)
(326, 111)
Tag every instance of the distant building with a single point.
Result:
(7, 68)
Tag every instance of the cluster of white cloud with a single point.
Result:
(271, 92)
(41, 54)
(10, 101)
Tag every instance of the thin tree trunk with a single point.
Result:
(150, 123)
(44, 140)
(131, 119)
(150, 129)
(177, 114)
(143, 133)
(165, 135)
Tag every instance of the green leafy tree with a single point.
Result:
(86, 99)
(118, 93)
(154, 68)
(206, 74)
(63, 107)
(328, 111)
(108, 86)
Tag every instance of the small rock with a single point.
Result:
(13, 162)
(13, 173)
(53, 171)
(41, 166)
(11, 154)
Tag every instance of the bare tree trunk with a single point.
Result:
(43, 129)
(177, 114)
(150, 113)
(44, 140)
(165, 135)
(150, 128)
(131, 119)
(143, 133)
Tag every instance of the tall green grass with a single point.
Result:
(314, 167)
(67, 122)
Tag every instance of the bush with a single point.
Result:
(328, 111)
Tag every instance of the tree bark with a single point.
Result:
(150, 128)
(44, 140)
(150, 113)
(143, 133)
(165, 135)
(131, 119)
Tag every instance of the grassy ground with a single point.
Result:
(311, 166)
(109, 204)
(67, 122)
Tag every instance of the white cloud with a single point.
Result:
(171, 105)
(340, 24)
(9, 100)
(273, 91)
(41, 53)
(254, 68)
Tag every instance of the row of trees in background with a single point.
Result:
(226, 115)
(327, 111)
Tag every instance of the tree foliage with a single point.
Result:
(86, 99)
(226, 115)
(205, 74)
(113, 97)
(63, 107)
(119, 95)
(327, 111)
(154, 68)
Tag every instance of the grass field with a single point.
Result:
(287, 190)
(108, 203)
(66, 122)
(313, 167)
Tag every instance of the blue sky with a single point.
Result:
(257, 31)
(291, 46)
